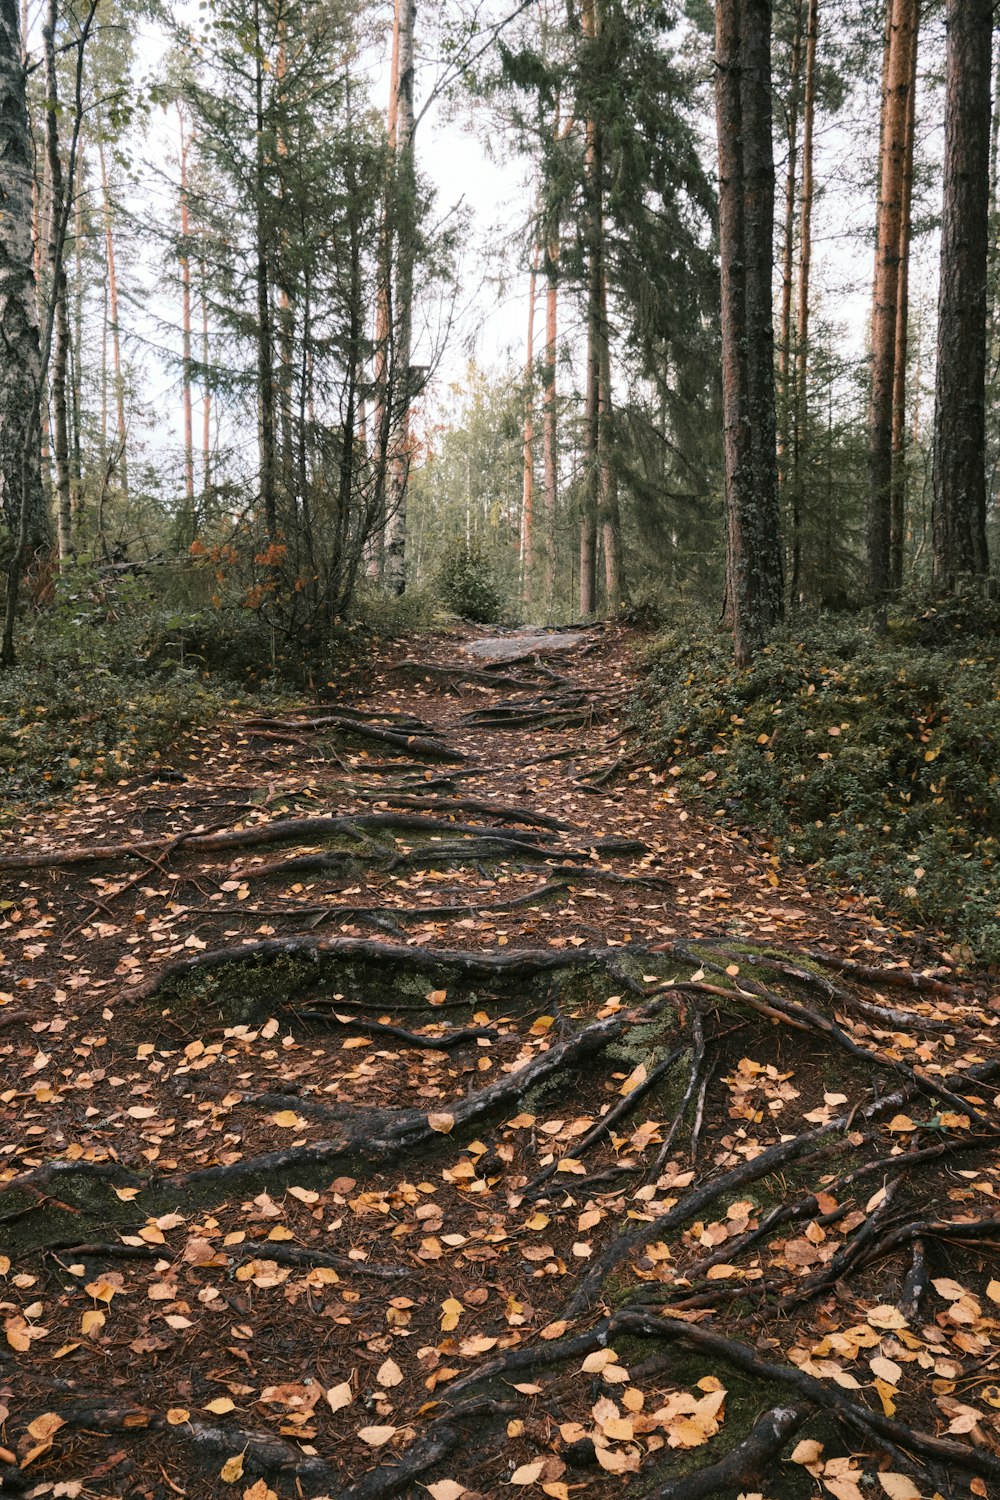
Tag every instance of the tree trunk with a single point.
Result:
(22, 506)
(959, 504)
(528, 486)
(206, 414)
(614, 580)
(801, 381)
(594, 210)
(401, 382)
(265, 340)
(58, 293)
(785, 356)
(901, 38)
(746, 234)
(550, 429)
(381, 419)
(191, 524)
(897, 505)
(116, 346)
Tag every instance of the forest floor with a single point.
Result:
(406, 1094)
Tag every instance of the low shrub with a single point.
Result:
(873, 755)
(468, 584)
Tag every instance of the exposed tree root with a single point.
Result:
(450, 676)
(745, 1464)
(263, 1453)
(901, 979)
(499, 811)
(804, 1016)
(260, 835)
(424, 746)
(524, 963)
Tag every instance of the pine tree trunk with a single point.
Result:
(191, 522)
(381, 417)
(58, 293)
(800, 406)
(401, 382)
(21, 500)
(550, 428)
(785, 355)
(550, 417)
(959, 504)
(746, 233)
(265, 339)
(594, 209)
(614, 579)
(901, 38)
(116, 347)
(528, 445)
(897, 505)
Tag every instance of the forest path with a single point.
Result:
(406, 1093)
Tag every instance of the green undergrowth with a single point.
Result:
(111, 675)
(872, 755)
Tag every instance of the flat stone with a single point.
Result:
(522, 643)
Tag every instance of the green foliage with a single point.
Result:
(96, 696)
(468, 584)
(875, 757)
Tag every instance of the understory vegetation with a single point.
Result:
(872, 754)
(112, 674)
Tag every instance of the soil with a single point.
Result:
(383, 1121)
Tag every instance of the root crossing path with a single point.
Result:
(403, 1094)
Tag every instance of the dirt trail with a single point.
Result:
(405, 1094)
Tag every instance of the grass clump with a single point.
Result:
(872, 754)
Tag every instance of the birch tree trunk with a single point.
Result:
(188, 409)
(528, 444)
(21, 500)
(116, 345)
(58, 293)
(746, 232)
(958, 513)
(206, 410)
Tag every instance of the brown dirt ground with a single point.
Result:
(157, 1343)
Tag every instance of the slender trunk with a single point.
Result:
(206, 412)
(401, 384)
(746, 232)
(21, 399)
(265, 341)
(76, 348)
(57, 291)
(116, 347)
(593, 172)
(959, 505)
(788, 247)
(550, 428)
(614, 578)
(381, 418)
(528, 446)
(897, 506)
(22, 507)
(191, 524)
(286, 308)
(801, 381)
(885, 297)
